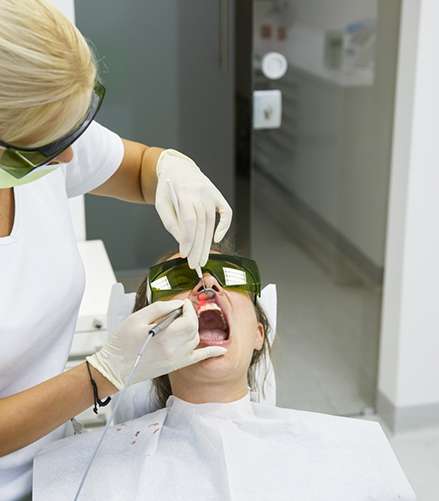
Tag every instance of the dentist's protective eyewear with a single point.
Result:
(19, 161)
(174, 276)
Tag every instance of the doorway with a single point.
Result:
(319, 186)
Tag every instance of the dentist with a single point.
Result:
(51, 149)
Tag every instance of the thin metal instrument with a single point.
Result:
(177, 211)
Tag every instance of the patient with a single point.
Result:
(233, 309)
(209, 441)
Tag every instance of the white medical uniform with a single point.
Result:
(42, 282)
(221, 452)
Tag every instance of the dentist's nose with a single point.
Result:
(64, 158)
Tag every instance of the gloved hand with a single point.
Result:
(198, 200)
(171, 349)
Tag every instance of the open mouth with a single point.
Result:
(213, 325)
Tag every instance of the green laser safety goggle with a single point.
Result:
(174, 276)
(19, 162)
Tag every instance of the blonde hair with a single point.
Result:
(47, 73)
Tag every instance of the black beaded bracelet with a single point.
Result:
(95, 393)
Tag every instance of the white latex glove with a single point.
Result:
(198, 201)
(171, 349)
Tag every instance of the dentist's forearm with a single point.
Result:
(135, 180)
(31, 414)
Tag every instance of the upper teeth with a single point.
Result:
(208, 306)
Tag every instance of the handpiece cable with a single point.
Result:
(152, 332)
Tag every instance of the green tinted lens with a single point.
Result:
(18, 163)
(235, 272)
(171, 277)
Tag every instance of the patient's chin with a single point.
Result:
(214, 364)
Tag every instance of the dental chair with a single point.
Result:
(300, 455)
(137, 400)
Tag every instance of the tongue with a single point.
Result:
(213, 335)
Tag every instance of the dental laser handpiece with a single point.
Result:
(166, 321)
(177, 211)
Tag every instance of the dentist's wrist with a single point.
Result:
(168, 157)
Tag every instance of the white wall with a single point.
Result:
(67, 7)
(409, 355)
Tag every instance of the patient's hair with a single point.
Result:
(47, 73)
(161, 386)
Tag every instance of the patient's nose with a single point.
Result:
(212, 287)
(210, 281)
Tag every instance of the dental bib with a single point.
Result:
(237, 451)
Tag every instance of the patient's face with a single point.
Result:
(228, 320)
